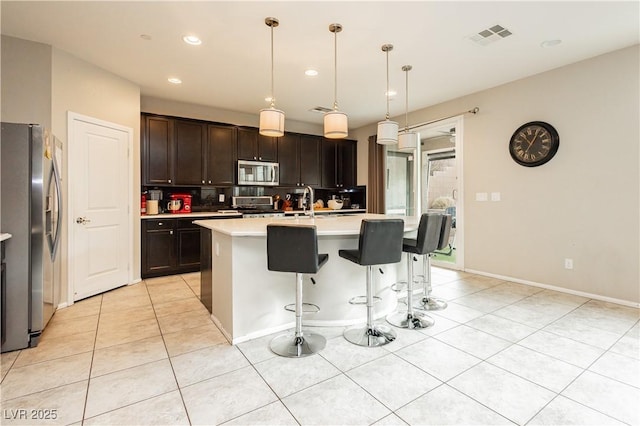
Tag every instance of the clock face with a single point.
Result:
(533, 144)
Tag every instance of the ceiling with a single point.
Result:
(231, 68)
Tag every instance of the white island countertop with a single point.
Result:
(326, 225)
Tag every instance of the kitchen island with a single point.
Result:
(247, 300)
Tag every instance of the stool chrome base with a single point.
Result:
(288, 345)
(375, 335)
(410, 320)
(430, 304)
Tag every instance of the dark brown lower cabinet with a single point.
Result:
(169, 246)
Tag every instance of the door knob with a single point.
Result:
(82, 220)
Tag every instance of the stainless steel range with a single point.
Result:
(255, 206)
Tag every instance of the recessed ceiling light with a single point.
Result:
(311, 72)
(174, 80)
(550, 43)
(268, 99)
(145, 36)
(193, 40)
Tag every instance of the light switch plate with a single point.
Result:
(481, 196)
(495, 196)
(221, 198)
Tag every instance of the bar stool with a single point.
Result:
(380, 243)
(295, 249)
(426, 302)
(425, 242)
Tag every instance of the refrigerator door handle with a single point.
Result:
(56, 179)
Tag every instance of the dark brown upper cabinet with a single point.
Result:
(190, 146)
(221, 155)
(339, 163)
(158, 149)
(299, 158)
(254, 146)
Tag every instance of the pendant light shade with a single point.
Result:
(407, 140)
(272, 119)
(336, 123)
(387, 130)
(271, 122)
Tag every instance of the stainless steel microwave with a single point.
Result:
(259, 173)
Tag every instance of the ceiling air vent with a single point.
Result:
(490, 35)
(320, 109)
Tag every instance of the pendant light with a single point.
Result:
(272, 119)
(387, 129)
(407, 140)
(336, 125)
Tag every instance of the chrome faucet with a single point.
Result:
(304, 195)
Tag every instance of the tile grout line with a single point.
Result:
(93, 353)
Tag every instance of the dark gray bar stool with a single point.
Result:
(426, 302)
(295, 249)
(380, 243)
(425, 242)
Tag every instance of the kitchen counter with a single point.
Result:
(4, 236)
(325, 211)
(213, 215)
(247, 299)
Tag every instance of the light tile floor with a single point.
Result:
(501, 353)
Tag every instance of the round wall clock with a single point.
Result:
(534, 144)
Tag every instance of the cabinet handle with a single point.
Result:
(160, 223)
(171, 232)
(169, 180)
(202, 181)
(209, 181)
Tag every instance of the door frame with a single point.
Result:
(72, 172)
(458, 123)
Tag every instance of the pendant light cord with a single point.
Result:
(335, 70)
(273, 102)
(387, 94)
(406, 69)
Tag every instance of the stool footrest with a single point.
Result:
(362, 300)
(399, 286)
(307, 308)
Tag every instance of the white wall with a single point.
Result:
(83, 88)
(583, 204)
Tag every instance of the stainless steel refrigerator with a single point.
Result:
(32, 213)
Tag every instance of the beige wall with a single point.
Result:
(83, 88)
(26, 82)
(202, 112)
(583, 204)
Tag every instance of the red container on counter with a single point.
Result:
(143, 204)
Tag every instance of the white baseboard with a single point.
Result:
(556, 288)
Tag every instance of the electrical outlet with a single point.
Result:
(221, 198)
(568, 264)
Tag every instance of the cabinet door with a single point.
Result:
(247, 143)
(157, 151)
(347, 164)
(329, 178)
(188, 249)
(221, 155)
(310, 164)
(289, 159)
(190, 146)
(267, 148)
(158, 255)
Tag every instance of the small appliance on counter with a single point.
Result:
(179, 203)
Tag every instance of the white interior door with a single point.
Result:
(100, 196)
